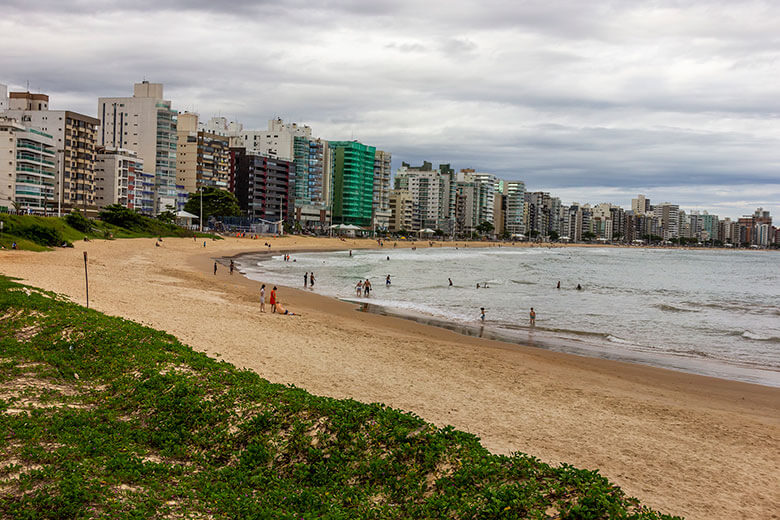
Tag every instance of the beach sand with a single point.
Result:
(689, 445)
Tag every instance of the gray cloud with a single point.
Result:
(598, 98)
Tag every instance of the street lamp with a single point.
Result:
(200, 219)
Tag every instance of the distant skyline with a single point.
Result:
(592, 101)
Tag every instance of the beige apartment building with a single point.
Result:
(74, 137)
(202, 156)
(401, 211)
(115, 174)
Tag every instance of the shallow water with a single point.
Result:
(703, 311)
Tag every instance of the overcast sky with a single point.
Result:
(593, 101)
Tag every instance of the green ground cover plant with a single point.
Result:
(41, 233)
(101, 417)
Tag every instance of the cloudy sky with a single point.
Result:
(595, 101)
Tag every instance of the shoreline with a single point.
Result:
(686, 444)
(524, 336)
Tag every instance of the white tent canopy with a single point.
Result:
(185, 214)
(426, 231)
(345, 227)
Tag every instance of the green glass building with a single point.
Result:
(353, 182)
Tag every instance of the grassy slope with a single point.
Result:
(102, 417)
(17, 226)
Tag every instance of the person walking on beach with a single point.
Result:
(262, 298)
(272, 299)
(482, 315)
(204, 243)
(232, 266)
(532, 315)
(305, 279)
(215, 268)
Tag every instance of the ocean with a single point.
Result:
(702, 311)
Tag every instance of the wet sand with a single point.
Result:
(690, 445)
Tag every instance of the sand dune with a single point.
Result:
(690, 445)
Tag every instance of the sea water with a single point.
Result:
(710, 312)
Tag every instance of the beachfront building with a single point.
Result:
(381, 204)
(222, 127)
(485, 186)
(27, 167)
(353, 182)
(311, 182)
(515, 201)
(263, 186)
(278, 142)
(202, 157)
(542, 214)
(74, 137)
(146, 124)
(115, 174)
(423, 185)
(3, 97)
(670, 220)
(401, 211)
(640, 205)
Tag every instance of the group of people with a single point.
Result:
(273, 301)
(363, 288)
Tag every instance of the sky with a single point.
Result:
(592, 101)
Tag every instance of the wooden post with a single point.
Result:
(86, 277)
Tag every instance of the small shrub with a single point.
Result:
(78, 222)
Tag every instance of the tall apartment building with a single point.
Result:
(313, 171)
(116, 171)
(670, 219)
(515, 200)
(202, 157)
(381, 204)
(263, 186)
(423, 185)
(74, 137)
(3, 97)
(640, 205)
(542, 213)
(276, 142)
(485, 186)
(27, 167)
(146, 124)
(401, 211)
(353, 182)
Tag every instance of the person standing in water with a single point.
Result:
(305, 279)
(482, 315)
(579, 287)
(450, 280)
(311, 279)
(559, 285)
(387, 281)
(532, 316)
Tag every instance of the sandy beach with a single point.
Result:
(690, 445)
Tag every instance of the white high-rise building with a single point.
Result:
(27, 171)
(515, 200)
(146, 124)
(486, 185)
(422, 185)
(277, 142)
(3, 97)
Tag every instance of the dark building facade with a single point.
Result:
(262, 186)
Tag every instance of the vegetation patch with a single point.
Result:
(116, 420)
